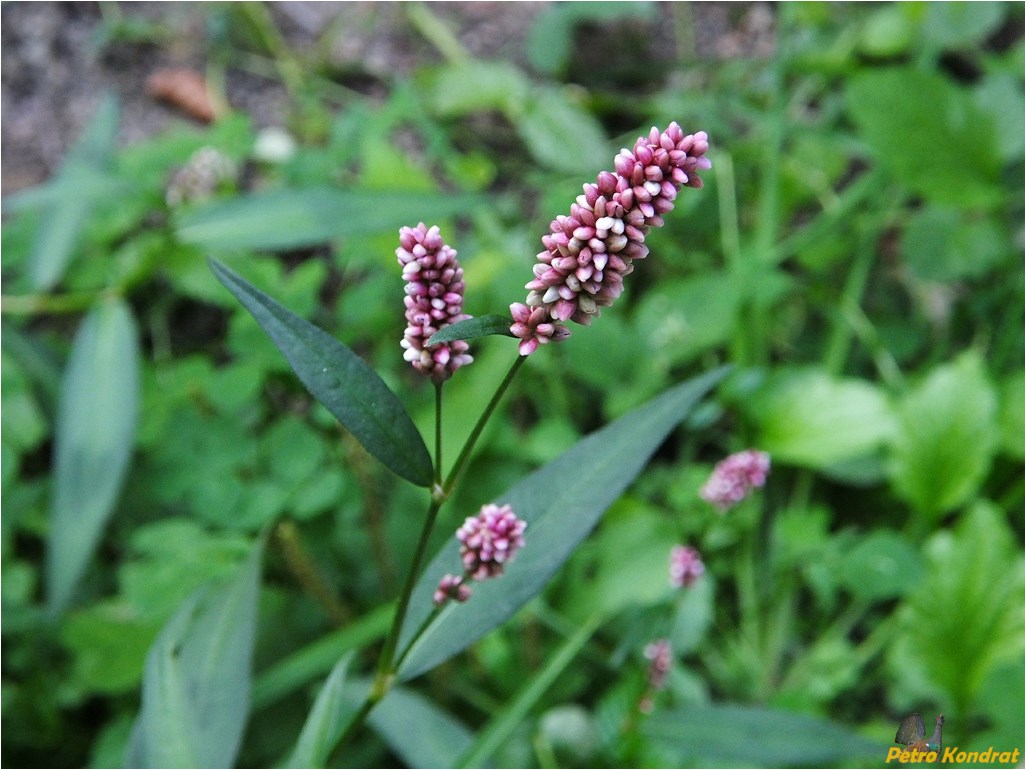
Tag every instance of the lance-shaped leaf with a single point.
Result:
(336, 704)
(94, 435)
(340, 380)
(561, 503)
(751, 736)
(282, 219)
(472, 328)
(418, 731)
(81, 180)
(196, 685)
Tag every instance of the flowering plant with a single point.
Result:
(533, 527)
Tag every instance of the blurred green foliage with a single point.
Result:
(856, 253)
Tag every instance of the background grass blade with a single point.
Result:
(286, 219)
(326, 720)
(196, 686)
(341, 381)
(95, 433)
(561, 502)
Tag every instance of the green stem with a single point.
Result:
(475, 434)
(438, 434)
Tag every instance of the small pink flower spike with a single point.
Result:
(588, 253)
(660, 656)
(451, 587)
(686, 566)
(489, 541)
(434, 299)
(734, 477)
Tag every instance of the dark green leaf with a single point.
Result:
(95, 433)
(883, 565)
(747, 736)
(341, 381)
(561, 503)
(472, 328)
(195, 697)
(284, 219)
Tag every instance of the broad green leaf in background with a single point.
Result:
(946, 437)
(472, 328)
(944, 244)
(196, 686)
(81, 180)
(883, 565)
(1012, 419)
(809, 418)
(458, 89)
(964, 617)
(94, 436)
(561, 503)
(283, 219)
(752, 736)
(911, 120)
(341, 381)
(551, 38)
(324, 725)
(545, 122)
(961, 24)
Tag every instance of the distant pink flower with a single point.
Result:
(686, 566)
(660, 656)
(588, 253)
(490, 540)
(451, 587)
(434, 299)
(734, 477)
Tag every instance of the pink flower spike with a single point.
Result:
(613, 216)
(489, 541)
(686, 566)
(451, 587)
(660, 656)
(734, 477)
(434, 299)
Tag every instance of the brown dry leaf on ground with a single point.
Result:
(185, 89)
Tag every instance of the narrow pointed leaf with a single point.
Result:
(95, 431)
(60, 227)
(196, 684)
(329, 716)
(282, 219)
(752, 736)
(561, 503)
(472, 328)
(340, 380)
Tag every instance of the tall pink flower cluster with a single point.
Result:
(734, 477)
(488, 542)
(686, 566)
(434, 299)
(589, 252)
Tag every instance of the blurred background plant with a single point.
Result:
(857, 254)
